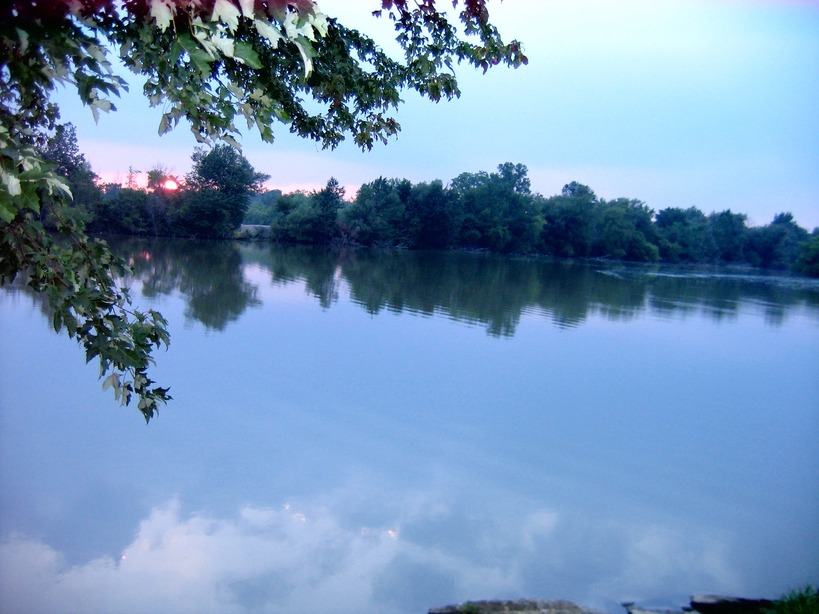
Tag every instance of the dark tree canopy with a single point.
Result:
(498, 212)
(62, 150)
(218, 191)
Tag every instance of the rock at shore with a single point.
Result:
(712, 604)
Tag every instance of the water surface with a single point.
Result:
(389, 431)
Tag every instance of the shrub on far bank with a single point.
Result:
(807, 262)
(800, 601)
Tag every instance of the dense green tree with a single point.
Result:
(137, 211)
(729, 235)
(262, 207)
(570, 220)
(625, 231)
(515, 177)
(106, 215)
(807, 261)
(211, 204)
(326, 204)
(164, 207)
(290, 217)
(497, 210)
(302, 218)
(777, 245)
(224, 169)
(218, 191)
(124, 211)
(683, 235)
(62, 150)
(465, 190)
(431, 217)
(520, 210)
(377, 216)
(205, 214)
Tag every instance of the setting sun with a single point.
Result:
(170, 184)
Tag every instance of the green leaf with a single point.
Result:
(7, 212)
(246, 53)
(200, 58)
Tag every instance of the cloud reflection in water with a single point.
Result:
(308, 559)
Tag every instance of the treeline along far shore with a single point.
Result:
(493, 211)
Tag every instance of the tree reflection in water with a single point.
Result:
(478, 288)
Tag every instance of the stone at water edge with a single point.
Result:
(714, 604)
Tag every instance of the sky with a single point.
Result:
(675, 103)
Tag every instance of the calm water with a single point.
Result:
(385, 432)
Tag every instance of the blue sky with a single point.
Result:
(676, 103)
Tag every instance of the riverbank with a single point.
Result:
(705, 604)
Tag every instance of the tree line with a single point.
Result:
(498, 212)
(495, 212)
(211, 201)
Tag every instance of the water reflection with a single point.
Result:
(496, 291)
(207, 273)
(278, 560)
(644, 433)
(481, 289)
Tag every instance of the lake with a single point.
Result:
(384, 432)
